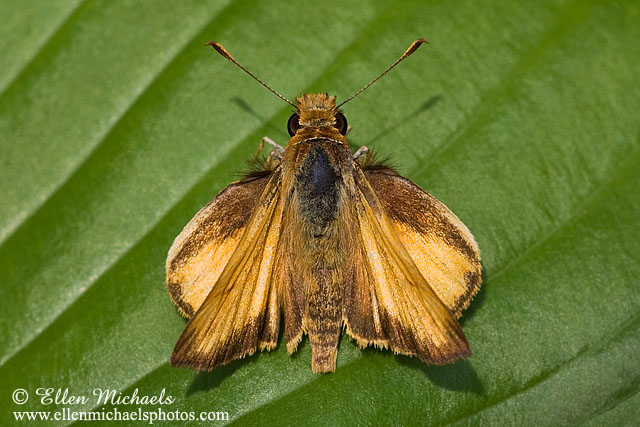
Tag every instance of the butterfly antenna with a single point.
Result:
(222, 51)
(414, 46)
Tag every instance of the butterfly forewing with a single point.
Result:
(203, 248)
(391, 304)
(440, 245)
(241, 312)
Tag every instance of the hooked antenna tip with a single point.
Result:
(414, 46)
(220, 49)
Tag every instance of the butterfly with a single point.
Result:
(319, 241)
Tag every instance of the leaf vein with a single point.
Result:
(43, 47)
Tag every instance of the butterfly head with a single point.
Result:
(316, 110)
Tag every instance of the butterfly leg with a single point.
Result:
(277, 149)
(274, 157)
(362, 150)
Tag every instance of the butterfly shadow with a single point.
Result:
(425, 106)
(459, 376)
(205, 381)
(477, 302)
(246, 107)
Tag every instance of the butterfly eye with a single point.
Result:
(293, 125)
(341, 123)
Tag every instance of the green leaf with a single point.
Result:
(117, 125)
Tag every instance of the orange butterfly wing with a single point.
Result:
(241, 311)
(390, 302)
(440, 245)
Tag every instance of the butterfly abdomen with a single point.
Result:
(323, 316)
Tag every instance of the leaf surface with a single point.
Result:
(118, 124)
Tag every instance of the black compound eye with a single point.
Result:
(341, 123)
(293, 125)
